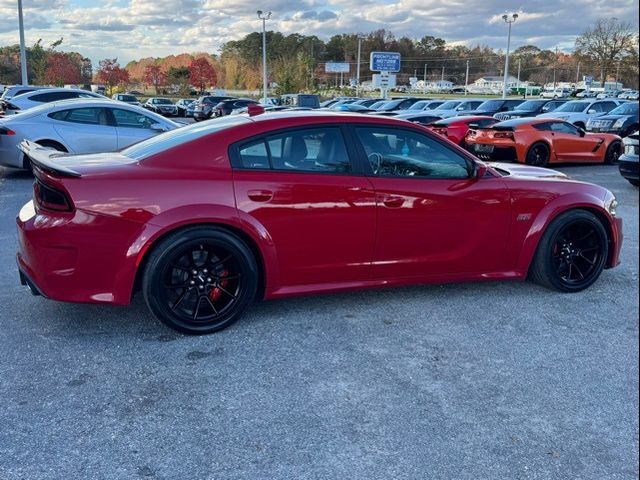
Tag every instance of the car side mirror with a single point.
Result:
(591, 111)
(480, 170)
(581, 132)
(158, 127)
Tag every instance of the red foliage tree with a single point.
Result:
(111, 74)
(202, 74)
(153, 75)
(61, 70)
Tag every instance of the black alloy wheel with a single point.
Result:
(538, 155)
(572, 252)
(200, 280)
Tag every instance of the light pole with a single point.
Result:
(358, 67)
(23, 50)
(264, 17)
(509, 20)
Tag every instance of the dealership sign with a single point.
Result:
(336, 67)
(385, 61)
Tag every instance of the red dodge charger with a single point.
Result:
(206, 218)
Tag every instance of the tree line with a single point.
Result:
(607, 50)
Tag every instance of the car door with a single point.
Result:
(132, 127)
(569, 144)
(317, 208)
(85, 129)
(434, 216)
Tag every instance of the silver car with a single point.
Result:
(78, 126)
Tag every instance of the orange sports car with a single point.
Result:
(540, 141)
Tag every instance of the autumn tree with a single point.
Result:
(61, 70)
(111, 74)
(606, 43)
(202, 74)
(153, 75)
(179, 77)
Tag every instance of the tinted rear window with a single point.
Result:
(176, 137)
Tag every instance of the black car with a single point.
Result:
(203, 107)
(628, 161)
(491, 107)
(225, 107)
(397, 104)
(163, 106)
(622, 120)
(531, 108)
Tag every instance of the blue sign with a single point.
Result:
(588, 80)
(385, 61)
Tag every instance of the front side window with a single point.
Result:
(563, 127)
(53, 96)
(306, 150)
(129, 119)
(403, 153)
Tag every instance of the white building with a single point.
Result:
(434, 86)
(493, 84)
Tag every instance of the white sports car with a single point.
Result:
(25, 101)
(78, 126)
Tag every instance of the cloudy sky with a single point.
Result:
(131, 29)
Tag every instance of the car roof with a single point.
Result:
(57, 89)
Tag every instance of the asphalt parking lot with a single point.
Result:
(473, 381)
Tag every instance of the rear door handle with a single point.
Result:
(260, 195)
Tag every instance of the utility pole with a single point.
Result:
(578, 74)
(358, 67)
(265, 86)
(555, 60)
(617, 73)
(509, 20)
(466, 79)
(23, 49)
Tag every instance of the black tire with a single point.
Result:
(200, 280)
(574, 245)
(635, 183)
(614, 150)
(538, 155)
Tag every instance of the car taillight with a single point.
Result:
(472, 133)
(6, 131)
(503, 135)
(440, 130)
(50, 198)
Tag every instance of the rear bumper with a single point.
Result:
(75, 257)
(499, 154)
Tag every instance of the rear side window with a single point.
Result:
(53, 96)
(87, 116)
(305, 150)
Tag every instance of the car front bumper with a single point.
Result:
(629, 167)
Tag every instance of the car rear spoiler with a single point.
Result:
(43, 158)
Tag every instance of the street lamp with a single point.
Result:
(358, 67)
(23, 51)
(509, 20)
(264, 17)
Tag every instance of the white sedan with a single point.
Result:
(78, 126)
(25, 101)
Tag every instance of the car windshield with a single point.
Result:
(162, 101)
(490, 105)
(625, 109)
(419, 105)
(167, 140)
(390, 105)
(530, 105)
(377, 105)
(572, 107)
(449, 105)
(128, 98)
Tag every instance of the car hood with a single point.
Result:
(559, 115)
(613, 117)
(527, 171)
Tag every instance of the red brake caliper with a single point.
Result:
(216, 292)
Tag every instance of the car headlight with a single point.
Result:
(619, 123)
(612, 206)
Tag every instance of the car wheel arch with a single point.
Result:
(266, 264)
(552, 211)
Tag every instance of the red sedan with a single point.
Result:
(206, 218)
(456, 128)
